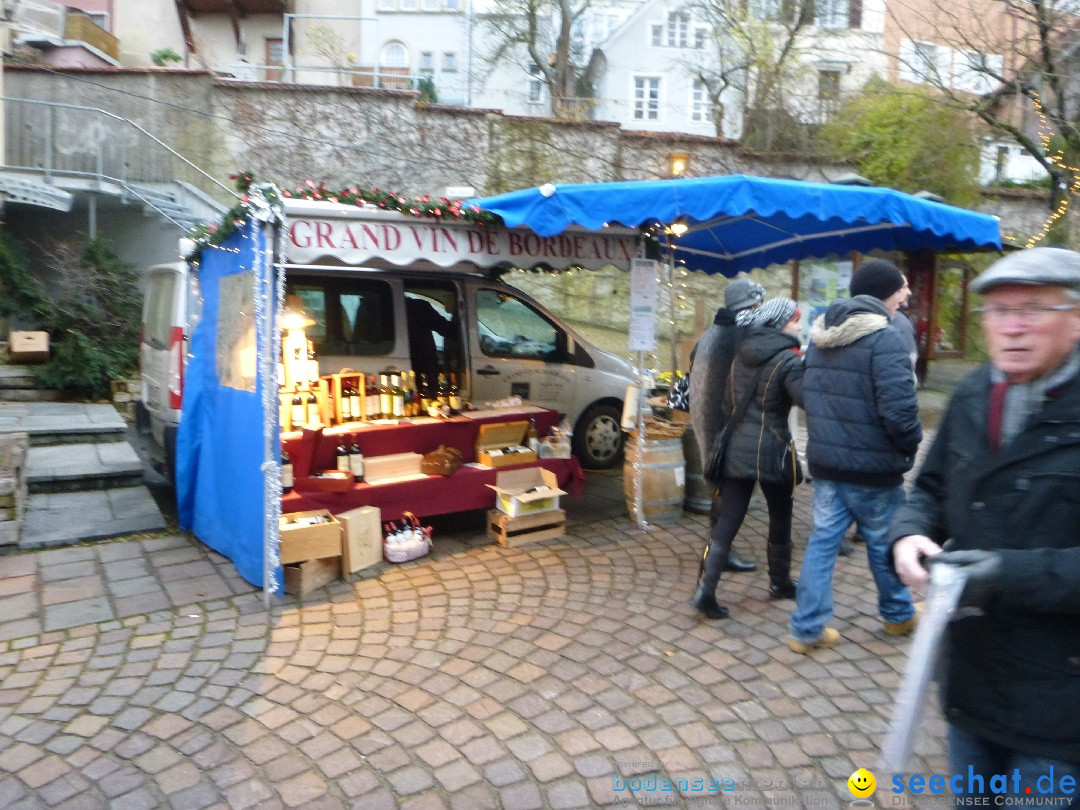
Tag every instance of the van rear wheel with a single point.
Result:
(598, 438)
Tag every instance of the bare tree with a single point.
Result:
(1013, 63)
(543, 28)
(755, 56)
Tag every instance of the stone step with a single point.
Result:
(65, 518)
(52, 423)
(17, 377)
(83, 466)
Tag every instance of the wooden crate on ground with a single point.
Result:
(303, 577)
(512, 532)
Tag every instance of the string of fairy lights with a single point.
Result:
(1057, 157)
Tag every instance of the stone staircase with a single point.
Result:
(85, 480)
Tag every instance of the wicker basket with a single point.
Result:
(443, 461)
(659, 429)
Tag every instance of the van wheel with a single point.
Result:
(598, 438)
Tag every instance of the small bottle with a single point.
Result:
(454, 394)
(356, 461)
(313, 416)
(425, 395)
(342, 454)
(532, 437)
(356, 401)
(286, 473)
(298, 412)
(398, 393)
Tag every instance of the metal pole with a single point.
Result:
(639, 449)
(671, 307)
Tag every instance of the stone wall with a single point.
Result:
(13, 447)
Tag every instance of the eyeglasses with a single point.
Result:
(1030, 314)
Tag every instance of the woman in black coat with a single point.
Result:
(767, 370)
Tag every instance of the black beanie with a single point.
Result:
(876, 277)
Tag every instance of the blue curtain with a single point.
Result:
(220, 485)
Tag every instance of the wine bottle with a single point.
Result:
(532, 436)
(345, 403)
(398, 394)
(313, 417)
(356, 401)
(454, 394)
(298, 412)
(342, 454)
(425, 394)
(312, 364)
(356, 461)
(286, 473)
(386, 398)
(444, 390)
(371, 396)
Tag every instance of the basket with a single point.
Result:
(656, 429)
(443, 461)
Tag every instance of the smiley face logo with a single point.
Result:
(861, 783)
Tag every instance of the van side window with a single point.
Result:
(508, 327)
(352, 316)
(159, 299)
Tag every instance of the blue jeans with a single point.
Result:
(836, 505)
(973, 757)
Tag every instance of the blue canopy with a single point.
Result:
(738, 223)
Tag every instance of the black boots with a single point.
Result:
(705, 601)
(736, 562)
(781, 585)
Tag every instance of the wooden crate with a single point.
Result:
(335, 383)
(304, 577)
(512, 532)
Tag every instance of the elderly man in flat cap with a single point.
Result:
(1000, 490)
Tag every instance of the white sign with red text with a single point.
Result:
(318, 231)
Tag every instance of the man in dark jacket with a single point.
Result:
(1001, 484)
(862, 423)
(712, 359)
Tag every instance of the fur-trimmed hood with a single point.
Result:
(847, 320)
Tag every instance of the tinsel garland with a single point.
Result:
(267, 196)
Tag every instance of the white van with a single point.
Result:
(162, 353)
(497, 340)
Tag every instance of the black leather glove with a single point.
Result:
(984, 574)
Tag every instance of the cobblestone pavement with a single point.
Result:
(557, 675)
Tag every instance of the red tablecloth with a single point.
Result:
(315, 451)
(432, 495)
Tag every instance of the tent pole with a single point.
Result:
(639, 449)
(671, 303)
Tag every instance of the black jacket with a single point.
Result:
(1012, 674)
(760, 438)
(712, 359)
(862, 414)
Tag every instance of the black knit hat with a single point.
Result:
(876, 277)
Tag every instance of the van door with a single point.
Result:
(520, 351)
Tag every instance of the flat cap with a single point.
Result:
(742, 293)
(1035, 266)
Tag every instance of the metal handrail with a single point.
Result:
(123, 152)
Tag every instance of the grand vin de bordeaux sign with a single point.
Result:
(316, 232)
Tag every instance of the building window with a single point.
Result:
(829, 85)
(646, 98)
(831, 14)
(657, 36)
(275, 58)
(427, 63)
(452, 5)
(431, 5)
(701, 36)
(387, 5)
(394, 55)
(918, 62)
(678, 25)
(700, 102)
(536, 84)
(449, 62)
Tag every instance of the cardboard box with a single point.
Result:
(513, 532)
(362, 544)
(513, 493)
(29, 347)
(302, 578)
(493, 438)
(301, 542)
(395, 467)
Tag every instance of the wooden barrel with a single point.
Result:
(663, 478)
(699, 492)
